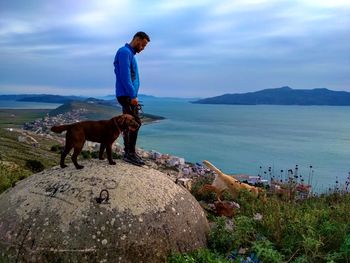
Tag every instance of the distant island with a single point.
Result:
(283, 96)
(48, 98)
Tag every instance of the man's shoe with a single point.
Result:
(131, 158)
(141, 161)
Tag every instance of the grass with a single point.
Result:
(19, 160)
(12, 150)
(313, 230)
(15, 118)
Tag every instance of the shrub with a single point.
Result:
(9, 176)
(244, 231)
(86, 154)
(204, 196)
(56, 148)
(199, 256)
(221, 238)
(34, 165)
(94, 154)
(266, 252)
(345, 248)
(116, 155)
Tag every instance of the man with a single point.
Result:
(127, 87)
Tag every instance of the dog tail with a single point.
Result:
(212, 167)
(59, 128)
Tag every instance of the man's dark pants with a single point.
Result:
(130, 137)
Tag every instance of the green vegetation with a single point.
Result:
(94, 111)
(313, 230)
(10, 174)
(21, 159)
(199, 256)
(35, 166)
(13, 118)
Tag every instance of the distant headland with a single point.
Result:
(283, 96)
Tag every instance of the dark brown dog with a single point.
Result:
(105, 132)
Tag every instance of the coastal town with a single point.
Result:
(42, 126)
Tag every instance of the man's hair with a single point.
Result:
(142, 35)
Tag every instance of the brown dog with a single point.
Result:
(105, 132)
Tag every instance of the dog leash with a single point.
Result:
(139, 111)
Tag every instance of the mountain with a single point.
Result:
(41, 98)
(283, 96)
(51, 98)
(112, 97)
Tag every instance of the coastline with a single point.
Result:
(274, 141)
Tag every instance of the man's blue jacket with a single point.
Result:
(126, 72)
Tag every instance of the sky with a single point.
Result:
(198, 48)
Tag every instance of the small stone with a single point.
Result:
(104, 241)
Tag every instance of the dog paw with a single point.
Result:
(101, 158)
(79, 167)
(64, 166)
(112, 163)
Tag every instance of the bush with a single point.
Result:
(199, 256)
(244, 231)
(94, 154)
(9, 176)
(86, 154)
(34, 165)
(204, 196)
(221, 238)
(266, 252)
(116, 155)
(56, 148)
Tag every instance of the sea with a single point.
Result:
(264, 140)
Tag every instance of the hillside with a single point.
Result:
(283, 96)
(95, 109)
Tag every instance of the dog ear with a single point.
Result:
(119, 121)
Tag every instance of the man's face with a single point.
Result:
(140, 45)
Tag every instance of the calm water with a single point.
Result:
(240, 139)
(12, 104)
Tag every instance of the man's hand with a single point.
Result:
(135, 102)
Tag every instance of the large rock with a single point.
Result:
(54, 216)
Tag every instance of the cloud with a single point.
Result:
(209, 46)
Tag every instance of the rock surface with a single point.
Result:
(55, 216)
